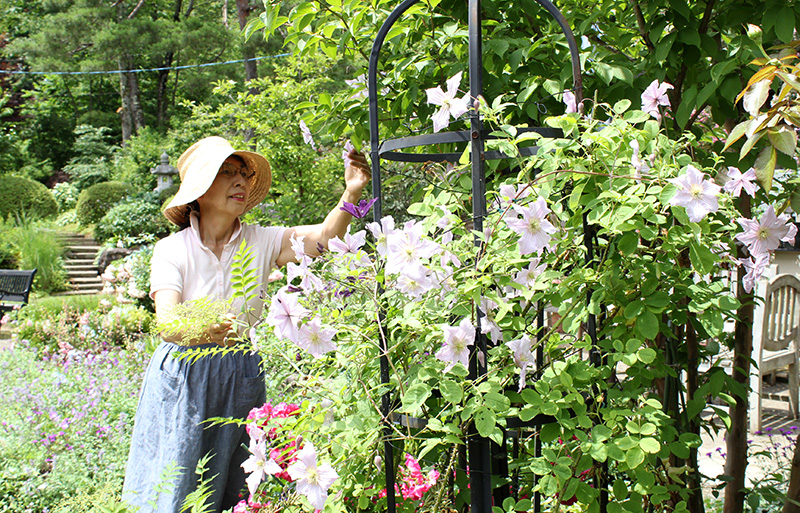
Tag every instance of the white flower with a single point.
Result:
(655, 95)
(313, 481)
(767, 233)
(569, 101)
(315, 339)
(534, 228)
(450, 105)
(738, 181)
(258, 465)
(696, 195)
(523, 357)
(457, 340)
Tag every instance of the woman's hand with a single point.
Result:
(357, 173)
(218, 333)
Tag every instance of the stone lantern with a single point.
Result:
(165, 173)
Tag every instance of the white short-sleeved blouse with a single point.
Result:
(181, 262)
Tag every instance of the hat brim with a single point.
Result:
(199, 166)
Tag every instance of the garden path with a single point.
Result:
(79, 261)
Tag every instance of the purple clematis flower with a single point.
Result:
(360, 210)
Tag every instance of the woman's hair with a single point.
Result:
(194, 206)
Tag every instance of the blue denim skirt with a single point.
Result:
(171, 430)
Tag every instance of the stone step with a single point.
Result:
(82, 249)
(76, 273)
(87, 279)
(75, 266)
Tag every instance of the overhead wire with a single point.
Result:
(140, 70)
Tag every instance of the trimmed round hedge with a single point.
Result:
(132, 219)
(94, 202)
(25, 197)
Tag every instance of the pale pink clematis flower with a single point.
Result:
(313, 480)
(308, 280)
(348, 147)
(351, 247)
(523, 356)
(307, 137)
(316, 339)
(446, 223)
(299, 248)
(639, 166)
(570, 102)
(406, 248)
(285, 314)
(381, 231)
(527, 275)
(696, 195)
(450, 105)
(415, 282)
(488, 324)
(755, 268)
(767, 233)
(258, 465)
(655, 95)
(508, 195)
(457, 340)
(534, 228)
(738, 181)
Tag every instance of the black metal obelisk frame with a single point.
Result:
(479, 448)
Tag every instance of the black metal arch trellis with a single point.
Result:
(479, 449)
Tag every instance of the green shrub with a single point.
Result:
(90, 323)
(94, 202)
(131, 219)
(34, 245)
(21, 195)
(66, 196)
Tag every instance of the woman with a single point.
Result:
(170, 432)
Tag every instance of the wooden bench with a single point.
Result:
(776, 340)
(15, 286)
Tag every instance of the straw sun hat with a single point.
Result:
(198, 167)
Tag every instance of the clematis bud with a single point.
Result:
(378, 461)
(298, 441)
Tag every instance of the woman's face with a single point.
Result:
(230, 190)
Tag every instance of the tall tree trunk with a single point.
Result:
(131, 113)
(161, 91)
(250, 67)
(736, 462)
(125, 110)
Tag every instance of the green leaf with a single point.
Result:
(634, 457)
(664, 46)
(550, 432)
(703, 259)
(784, 24)
(647, 325)
(783, 139)
(621, 106)
(415, 396)
(650, 445)
(646, 355)
(601, 433)
(451, 391)
(485, 421)
(628, 244)
(765, 167)
(736, 134)
(496, 401)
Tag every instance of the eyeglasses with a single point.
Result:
(232, 169)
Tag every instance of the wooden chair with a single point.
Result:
(776, 339)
